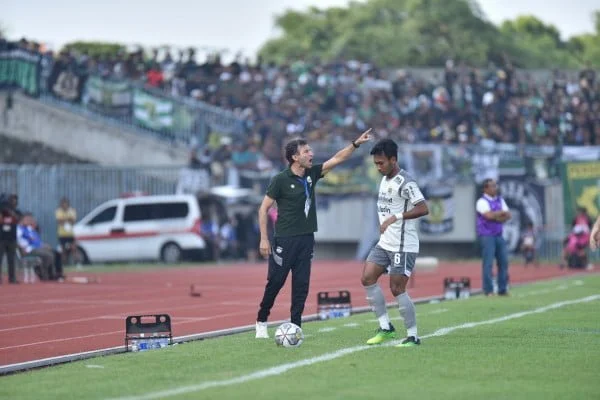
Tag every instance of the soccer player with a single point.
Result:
(399, 204)
(293, 241)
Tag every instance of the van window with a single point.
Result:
(106, 215)
(172, 210)
(143, 212)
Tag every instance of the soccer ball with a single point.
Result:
(289, 335)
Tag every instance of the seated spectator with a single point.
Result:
(209, 230)
(30, 243)
(228, 240)
(575, 248)
(528, 239)
(582, 218)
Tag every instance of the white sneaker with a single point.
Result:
(261, 330)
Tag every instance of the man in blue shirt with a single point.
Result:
(30, 243)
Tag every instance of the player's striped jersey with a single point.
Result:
(398, 195)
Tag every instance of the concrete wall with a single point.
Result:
(32, 120)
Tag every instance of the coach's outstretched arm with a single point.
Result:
(346, 152)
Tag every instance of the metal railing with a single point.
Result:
(40, 187)
(202, 118)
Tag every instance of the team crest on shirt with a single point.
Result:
(279, 249)
(389, 190)
(309, 180)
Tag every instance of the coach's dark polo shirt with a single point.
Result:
(289, 191)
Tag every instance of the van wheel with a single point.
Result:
(171, 253)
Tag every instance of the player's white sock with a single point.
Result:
(384, 322)
(407, 312)
(377, 302)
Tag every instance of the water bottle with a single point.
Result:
(144, 344)
(323, 313)
(450, 293)
(465, 293)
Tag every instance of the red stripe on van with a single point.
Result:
(118, 235)
(124, 235)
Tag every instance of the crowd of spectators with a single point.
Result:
(332, 101)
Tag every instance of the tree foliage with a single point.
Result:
(425, 33)
(95, 49)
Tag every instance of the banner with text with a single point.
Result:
(67, 84)
(356, 176)
(108, 97)
(581, 188)
(526, 201)
(152, 112)
(20, 69)
(451, 215)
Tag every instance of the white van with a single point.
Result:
(163, 228)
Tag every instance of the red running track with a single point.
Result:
(52, 319)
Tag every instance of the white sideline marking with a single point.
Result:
(328, 329)
(543, 291)
(280, 369)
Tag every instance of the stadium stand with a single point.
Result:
(330, 102)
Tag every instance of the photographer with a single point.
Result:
(9, 217)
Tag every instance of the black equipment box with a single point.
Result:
(145, 332)
(334, 304)
(457, 288)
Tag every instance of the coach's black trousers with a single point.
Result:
(293, 253)
(8, 247)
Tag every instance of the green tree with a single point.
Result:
(423, 33)
(586, 47)
(100, 49)
(532, 43)
(394, 32)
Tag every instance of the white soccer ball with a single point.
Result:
(289, 335)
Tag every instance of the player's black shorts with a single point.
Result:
(66, 242)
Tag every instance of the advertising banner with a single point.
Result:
(526, 201)
(152, 112)
(581, 188)
(20, 69)
(68, 85)
(108, 97)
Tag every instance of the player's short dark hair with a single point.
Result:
(387, 147)
(486, 182)
(291, 148)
